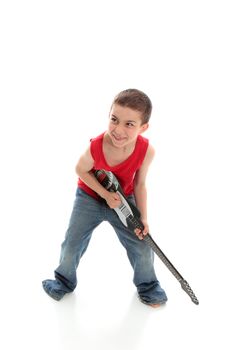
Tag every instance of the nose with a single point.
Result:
(118, 129)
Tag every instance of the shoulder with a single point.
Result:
(142, 140)
(91, 148)
(150, 153)
(143, 170)
(98, 138)
(85, 162)
(149, 149)
(96, 145)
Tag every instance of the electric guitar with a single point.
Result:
(129, 215)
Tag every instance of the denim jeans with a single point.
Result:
(87, 214)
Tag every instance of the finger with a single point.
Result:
(116, 196)
(137, 231)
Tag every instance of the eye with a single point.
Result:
(113, 120)
(130, 125)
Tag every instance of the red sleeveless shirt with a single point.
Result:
(125, 172)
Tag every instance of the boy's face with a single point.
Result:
(125, 124)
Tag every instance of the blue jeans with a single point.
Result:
(87, 214)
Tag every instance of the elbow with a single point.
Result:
(79, 171)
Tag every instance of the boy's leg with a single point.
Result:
(141, 258)
(87, 214)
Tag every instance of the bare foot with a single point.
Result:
(155, 305)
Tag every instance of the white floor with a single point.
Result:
(104, 312)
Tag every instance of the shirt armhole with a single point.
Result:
(91, 148)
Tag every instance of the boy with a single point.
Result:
(124, 151)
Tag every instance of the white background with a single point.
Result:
(62, 62)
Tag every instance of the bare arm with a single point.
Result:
(140, 191)
(83, 170)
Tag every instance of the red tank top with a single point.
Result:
(125, 171)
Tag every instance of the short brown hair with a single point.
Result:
(136, 100)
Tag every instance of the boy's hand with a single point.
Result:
(140, 234)
(113, 199)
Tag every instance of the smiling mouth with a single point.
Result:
(118, 138)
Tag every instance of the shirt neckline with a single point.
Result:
(126, 160)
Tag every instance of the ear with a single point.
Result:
(144, 127)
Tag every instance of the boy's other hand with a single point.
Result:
(139, 233)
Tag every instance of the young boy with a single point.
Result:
(122, 150)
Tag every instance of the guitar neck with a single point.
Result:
(136, 223)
